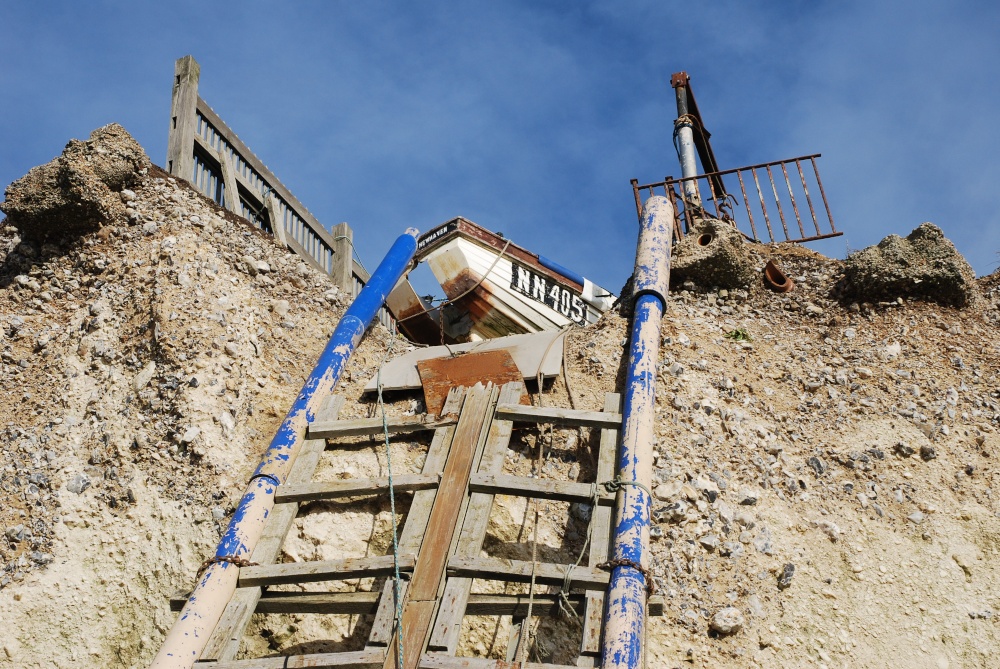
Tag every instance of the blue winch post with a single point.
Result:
(216, 585)
(625, 611)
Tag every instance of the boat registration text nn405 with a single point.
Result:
(542, 289)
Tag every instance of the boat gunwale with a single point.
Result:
(492, 241)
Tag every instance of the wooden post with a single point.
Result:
(277, 220)
(183, 118)
(231, 194)
(342, 271)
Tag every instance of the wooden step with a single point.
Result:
(519, 571)
(442, 661)
(560, 417)
(362, 659)
(323, 570)
(368, 426)
(523, 486)
(309, 492)
(366, 603)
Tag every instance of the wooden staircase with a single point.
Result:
(440, 543)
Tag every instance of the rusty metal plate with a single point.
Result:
(440, 375)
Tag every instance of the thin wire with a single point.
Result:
(353, 250)
(392, 507)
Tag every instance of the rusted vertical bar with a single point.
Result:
(791, 195)
(625, 613)
(777, 202)
(763, 207)
(715, 203)
(638, 201)
(746, 203)
(183, 118)
(805, 189)
(819, 182)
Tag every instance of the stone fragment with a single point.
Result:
(78, 484)
(727, 621)
(785, 578)
(144, 376)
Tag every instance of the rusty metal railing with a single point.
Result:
(793, 195)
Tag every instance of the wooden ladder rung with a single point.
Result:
(523, 486)
(322, 570)
(443, 661)
(332, 429)
(519, 571)
(557, 416)
(309, 492)
(362, 659)
(366, 603)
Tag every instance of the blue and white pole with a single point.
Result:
(187, 638)
(625, 609)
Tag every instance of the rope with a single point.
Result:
(392, 507)
(625, 562)
(616, 484)
(452, 300)
(231, 559)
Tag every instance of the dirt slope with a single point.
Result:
(832, 478)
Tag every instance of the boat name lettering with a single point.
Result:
(543, 289)
(435, 235)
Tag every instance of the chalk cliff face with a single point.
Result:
(825, 475)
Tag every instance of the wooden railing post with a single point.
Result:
(183, 118)
(277, 221)
(342, 271)
(230, 193)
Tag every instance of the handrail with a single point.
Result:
(790, 195)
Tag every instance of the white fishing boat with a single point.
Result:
(493, 288)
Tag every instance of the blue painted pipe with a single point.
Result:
(559, 269)
(189, 635)
(625, 603)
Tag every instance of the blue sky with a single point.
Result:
(531, 117)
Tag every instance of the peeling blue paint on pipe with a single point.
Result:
(625, 602)
(191, 632)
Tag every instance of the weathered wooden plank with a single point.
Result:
(443, 661)
(600, 539)
(367, 426)
(224, 643)
(469, 432)
(470, 436)
(523, 486)
(332, 603)
(277, 219)
(366, 603)
(448, 624)
(231, 195)
(420, 510)
(362, 659)
(307, 492)
(384, 626)
(496, 569)
(342, 271)
(183, 118)
(558, 416)
(323, 570)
